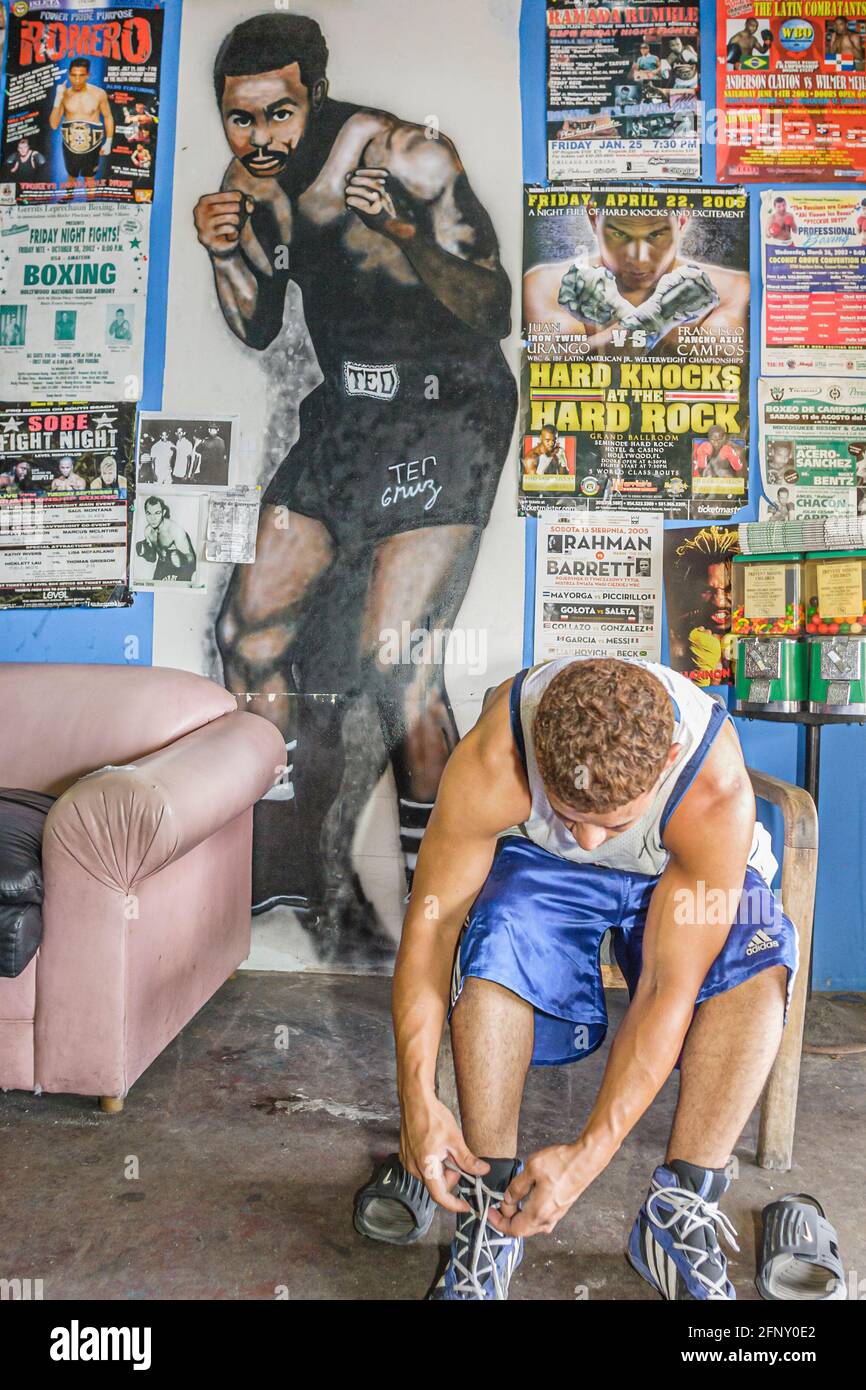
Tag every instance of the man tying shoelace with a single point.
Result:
(592, 795)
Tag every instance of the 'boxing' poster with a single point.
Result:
(635, 381)
(82, 104)
(813, 248)
(65, 486)
(791, 91)
(622, 92)
(73, 284)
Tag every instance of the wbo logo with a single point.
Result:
(379, 383)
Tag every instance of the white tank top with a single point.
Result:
(638, 850)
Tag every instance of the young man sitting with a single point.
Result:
(591, 795)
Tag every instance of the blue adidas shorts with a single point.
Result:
(537, 926)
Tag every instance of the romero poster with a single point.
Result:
(698, 565)
(812, 446)
(82, 103)
(791, 91)
(65, 487)
(72, 301)
(598, 585)
(371, 372)
(813, 248)
(623, 84)
(635, 383)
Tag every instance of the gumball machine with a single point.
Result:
(836, 628)
(768, 622)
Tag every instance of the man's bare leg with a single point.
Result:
(726, 1060)
(492, 1032)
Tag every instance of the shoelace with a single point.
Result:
(695, 1212)
(475, 1257)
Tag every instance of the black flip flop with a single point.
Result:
(393, 1206)
(799, 1257)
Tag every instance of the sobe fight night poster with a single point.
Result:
(623, 83)
(791, 91)
(635, 380)
(82, 103)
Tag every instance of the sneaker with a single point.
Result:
(481, 1261)
(674, 1243)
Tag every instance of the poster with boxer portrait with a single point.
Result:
(623, 85)
(791, 91)
(812, 445)
(82, 103)
(698, 578)
(344, 264)
(635, 380)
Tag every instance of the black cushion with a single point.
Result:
(22, 821)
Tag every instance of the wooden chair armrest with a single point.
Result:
(797, 807)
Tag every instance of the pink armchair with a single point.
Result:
(146, 861)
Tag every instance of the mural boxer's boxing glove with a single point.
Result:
(682, 296)
(591, 293)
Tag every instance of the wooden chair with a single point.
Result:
(799, 875)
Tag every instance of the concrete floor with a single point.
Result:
(248, 1155)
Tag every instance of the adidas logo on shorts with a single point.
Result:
(761, 942)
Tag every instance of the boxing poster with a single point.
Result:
(623, 85)
(812, 446)
(167, 540)
(345, 231)
(65, 486)
(791, 91)
(82, 103)
(73, 284)
(813, 249)
(598, 585)
(698, 577)
(635, 380)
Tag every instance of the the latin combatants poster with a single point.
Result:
(635, 380)
(346, 229)
(791, 91)
(82, 103)
(623, 85)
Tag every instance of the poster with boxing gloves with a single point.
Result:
(635, 378)
(623, 85)
(791, 91)
(82, 103)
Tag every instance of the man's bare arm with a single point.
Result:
(709, 837)
(107, 117)
(482, 792)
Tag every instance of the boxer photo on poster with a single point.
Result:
(375, 516)
(698, 563)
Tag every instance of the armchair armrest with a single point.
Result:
(123, 824)
(797, 807)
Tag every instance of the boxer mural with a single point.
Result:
(375, 516)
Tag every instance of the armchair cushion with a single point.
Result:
(22, 821)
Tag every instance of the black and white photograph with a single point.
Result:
(175, 452)
(166, 541)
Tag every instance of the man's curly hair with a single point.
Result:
(602, 734)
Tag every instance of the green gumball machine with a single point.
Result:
(836, 628)
(768, 623)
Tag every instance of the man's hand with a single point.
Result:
(381, 201)
(429, 1137)
(219, 221)
(552, 1180)
(590, 293)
